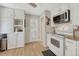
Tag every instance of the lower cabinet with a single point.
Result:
(70, 51)
(77, 48)
(15, 40)
(70, 47)
(20, 39)
(11, 40)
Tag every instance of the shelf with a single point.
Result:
(18, 25)
(18, 29)
(18, 22)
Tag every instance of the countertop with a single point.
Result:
(75, 38)
(75, 35)
(70, 36)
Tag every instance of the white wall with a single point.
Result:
(32, 28)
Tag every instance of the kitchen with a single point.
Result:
(57, 27)
(63, 41)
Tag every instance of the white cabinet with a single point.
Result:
(19, 28)
(74, 9)
(6, 12)
(70, 51)
(77, 48)
(20, 39)
(6, 25)
(15, 40)
(64, 6)
(19, 14)
(7, 17)
(60, 8)
(11, 40)
(70, 47)
(6, 20)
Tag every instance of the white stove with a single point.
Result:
(56, 44)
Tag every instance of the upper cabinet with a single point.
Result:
(64, 7)
(61, 7)
(74, 9)
(19, 14)
(6, 12)
(6, 20)
(11, 13)
(6, 25)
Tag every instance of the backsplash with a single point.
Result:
(64, 28)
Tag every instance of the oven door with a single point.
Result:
(56, 44)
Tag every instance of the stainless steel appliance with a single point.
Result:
(3, 42)
(63, 17)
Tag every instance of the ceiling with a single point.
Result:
(29, 9)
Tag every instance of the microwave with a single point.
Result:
(62, 18)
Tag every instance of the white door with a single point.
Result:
(33, 29)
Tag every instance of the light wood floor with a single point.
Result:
(30, 49)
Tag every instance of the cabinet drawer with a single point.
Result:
(70, 42)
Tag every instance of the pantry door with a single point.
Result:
(33, 29)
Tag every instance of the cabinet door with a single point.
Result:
(77, 48)
(20, 39)
(64, 7)
(19, 14)
(70, 47)
(70, 51)
(6, 12)
(11, 40)
(74, 11)
(67, 51)
(6, 25)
